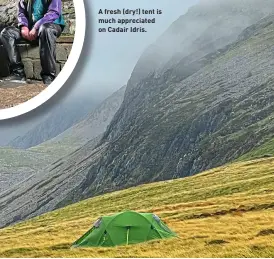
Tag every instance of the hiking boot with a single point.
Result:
(47, 81)
(14, 78)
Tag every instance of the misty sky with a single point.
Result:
(112, 57)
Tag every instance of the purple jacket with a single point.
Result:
(54, 11)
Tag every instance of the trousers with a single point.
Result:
(47, 36)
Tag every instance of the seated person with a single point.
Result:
(38, 20)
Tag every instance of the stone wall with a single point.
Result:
(69, 15)
(30, 53)
(31, 58)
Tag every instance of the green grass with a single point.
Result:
(57, 149)
(265, 150)
(12, 158)
(224, 212)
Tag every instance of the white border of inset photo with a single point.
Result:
(68, 68)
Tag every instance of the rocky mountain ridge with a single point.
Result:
(91, 127)
(59, 118)
(19, 164)
(206, 27)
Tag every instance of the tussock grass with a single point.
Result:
(224, 212)
(265, 150)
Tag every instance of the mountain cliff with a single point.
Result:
(89, 128)
(196, 109)
(17, 165)
(59, 119)
(206, 27)
(200, 114)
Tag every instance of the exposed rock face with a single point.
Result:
(197, 109)
(24, 163)
(18, 164)
(91, 127)
(205, 28)
(200, 114)
(58, 120)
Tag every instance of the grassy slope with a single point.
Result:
(231, 205)
(17, 164)
(16, 158)
(265, 150)
(59, 149)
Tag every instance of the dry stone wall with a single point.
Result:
(30, 53)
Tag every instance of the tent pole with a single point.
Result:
(127, 234)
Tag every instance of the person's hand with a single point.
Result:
(33, 34)
(25, 32)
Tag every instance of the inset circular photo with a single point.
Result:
(37, 40)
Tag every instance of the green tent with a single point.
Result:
(123, 229)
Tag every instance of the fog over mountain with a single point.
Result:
(50, 120)
(65, 115)
(98, 60)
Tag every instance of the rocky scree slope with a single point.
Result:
(90, 128)
(206, 27)
(59, 118)
(17, 165)
(170, 125)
